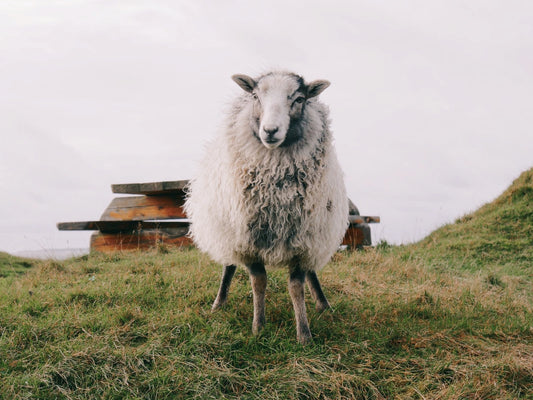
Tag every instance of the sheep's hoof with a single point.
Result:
(321, 307)
(257, 328)
(305, 339)
(217, 305)
(303, 334)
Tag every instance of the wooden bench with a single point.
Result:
(155, 215)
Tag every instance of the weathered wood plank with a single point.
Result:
(360, 219)
(151, 188)
(137, 208)
(144, 240)
(357, 235)
(120, 226)
(176, 237)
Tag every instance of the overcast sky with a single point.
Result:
(431, 101)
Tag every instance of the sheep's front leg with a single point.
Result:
(296, 291)
(223, 290)
(258, 278)
(316, 291)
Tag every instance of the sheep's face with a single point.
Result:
(279, 101)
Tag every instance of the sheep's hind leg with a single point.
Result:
(223, 290)
(296, 290)
(316, 291)
(258, 278)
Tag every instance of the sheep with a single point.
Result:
(270, 191)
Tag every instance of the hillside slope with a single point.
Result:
(498, 233)
(11, 265)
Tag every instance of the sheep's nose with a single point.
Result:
(271, 130)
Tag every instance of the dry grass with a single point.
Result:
(139, 326)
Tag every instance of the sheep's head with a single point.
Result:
(279, 104)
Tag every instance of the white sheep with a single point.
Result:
(270, 191)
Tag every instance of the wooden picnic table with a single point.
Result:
(154, 215)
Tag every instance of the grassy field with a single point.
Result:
(450, 317)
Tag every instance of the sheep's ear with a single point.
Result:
(316, 87)
(245, 82)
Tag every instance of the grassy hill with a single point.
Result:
(10, 265)
(498, 234)
(450, 317)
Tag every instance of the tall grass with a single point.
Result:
(139, 326)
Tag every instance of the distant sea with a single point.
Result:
(52, 254)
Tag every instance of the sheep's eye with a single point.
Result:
(254, 95)
(299, 100)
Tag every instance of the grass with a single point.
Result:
(12, 266)
(439, 319)
(498, 234)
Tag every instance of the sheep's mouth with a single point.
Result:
(271, 143)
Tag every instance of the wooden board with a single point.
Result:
(357, 235)
(151, 188)
(137, 208)
(110, 242)
(120, 226)
(360, 219)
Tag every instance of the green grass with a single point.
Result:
(439, 319)
(498, 234)
(12, 266)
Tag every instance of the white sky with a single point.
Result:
(431, 101)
